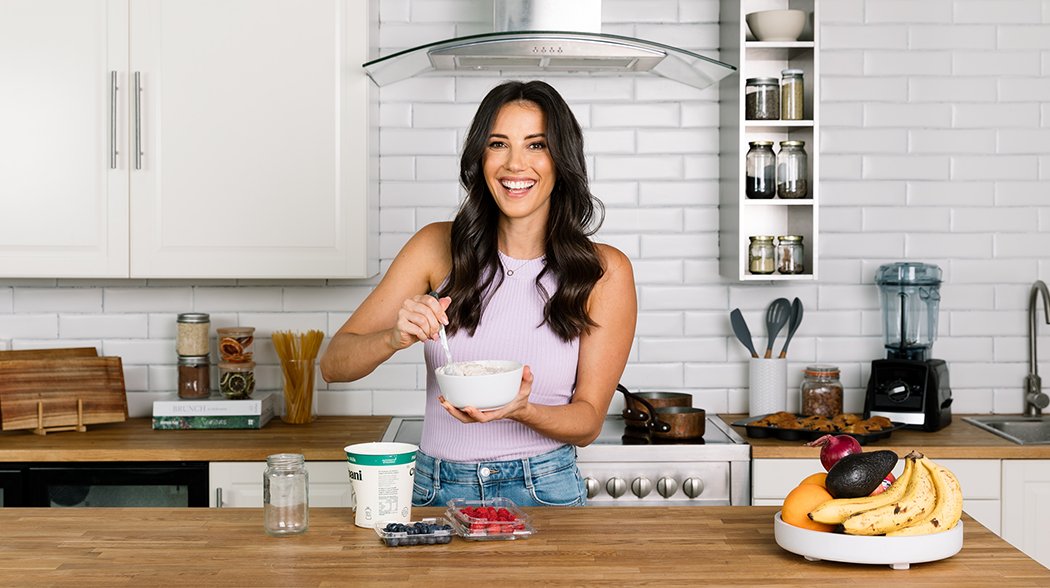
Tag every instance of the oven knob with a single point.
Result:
(641, 487)
(616, 487)
(593, 487)
(666, 486)
(693, 487)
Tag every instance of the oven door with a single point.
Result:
(155, 484)
(10, 487)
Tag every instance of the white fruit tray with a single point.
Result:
(897, 552)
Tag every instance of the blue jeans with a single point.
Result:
(551, 479)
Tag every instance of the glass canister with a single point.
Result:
(790, 254)
(760, 170)
(821, 391)
(236, 343)
(237, 380)
(762, 99)
(286, 494)
(792, 170)
(191, 336)
(791, 94)
(193, 376)
(761, 257)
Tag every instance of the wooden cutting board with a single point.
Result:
(48, 353)
(52, 387)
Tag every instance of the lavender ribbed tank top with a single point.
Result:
(510, 329)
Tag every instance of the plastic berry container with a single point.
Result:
(237, 380)
(236, 344)
(430, 531)
(487, 520)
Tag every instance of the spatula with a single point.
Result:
(796, 319)
(777, 316)
(736, 318)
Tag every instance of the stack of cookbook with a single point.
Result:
(214, 413)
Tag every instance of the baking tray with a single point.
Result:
(760, 432)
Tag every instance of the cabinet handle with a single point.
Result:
(218, 498)
(138, 120)
(113, 120)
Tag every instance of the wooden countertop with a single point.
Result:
(135, 440)
(728, 546)
(959, 440)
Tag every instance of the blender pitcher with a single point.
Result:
(910, 299)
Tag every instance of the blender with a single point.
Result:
(909, 386)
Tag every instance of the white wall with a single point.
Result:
(936, 148)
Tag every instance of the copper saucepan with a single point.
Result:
(665, 422)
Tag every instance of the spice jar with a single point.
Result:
(790, 254)
(821, 391)
(286, 499)
(761, 257)
(760, 170)
(792, 170)
(791, 94)
(236, 343)
(237, 380)
(191, 336)
(193, 376)
(762, 99)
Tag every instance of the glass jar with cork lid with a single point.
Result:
(821, 391)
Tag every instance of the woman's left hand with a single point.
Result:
(512, 409)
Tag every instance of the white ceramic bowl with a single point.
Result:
(777, 25)
(484, 391)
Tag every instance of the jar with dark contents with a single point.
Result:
(193, 376)
(237, 380)
(821, 391)
(792, 170)
(762, 99)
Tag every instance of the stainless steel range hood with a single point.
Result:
(538, 37)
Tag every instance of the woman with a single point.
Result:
(518, 279)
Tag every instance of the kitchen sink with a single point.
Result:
(1019, 429)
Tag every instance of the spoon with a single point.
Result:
(777, 316)
(796, 319)
(450, 366)
(736, 318)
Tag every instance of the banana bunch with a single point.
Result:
(926, 498)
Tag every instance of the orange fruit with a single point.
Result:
(801, 500)
(817, 479)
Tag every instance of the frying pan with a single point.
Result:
(668, 422)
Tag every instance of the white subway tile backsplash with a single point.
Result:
(616, 193)
(1003, 167)
(77, 326)
(866, 141)
(236, 299)
(997, 11)
(701, 219)
(908, 11)
(992, 271)
(394, 36)
(419, 194)
(399, 220)
(838, 63)
(688, 297)
(978, 141)
(418, 142)
(907, 115)
(854, 194)
(136, 377)
(28, 300)
(869, 89)
(442, 11)
(681, 349)
(398, 115)
(881, 219)
(1023, 245)
(844, 219)
(952, 36)
(981, 63)
(961, 245)
(993, 219)
(951, 89)
(326, 299)
(643, 220)
(999, 116)
(143, 352)
(647, 271)
(659, 324)
(913, 167)
(690, 141)
(950, 194)
(650, 376)
(618, 167)
(394, 11)
(608, 141)
(701, 167)
(699, 114)
(836, 36)
(717, 375)
(627, 11)
(680, 246)
(152, 299)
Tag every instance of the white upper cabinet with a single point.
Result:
(243, 144)
(63, 199)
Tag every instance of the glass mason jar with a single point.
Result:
(762, 99)
(286, 500)
(237, 380)
(761, 257)
(193, 376)
(821, 391)
(790, 254)
(791, 94)
(792, 170)
(760, 170)
(191, 336)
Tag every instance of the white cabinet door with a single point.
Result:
(1026, 506)
(254, 159)
(63, 199)
(239, 484)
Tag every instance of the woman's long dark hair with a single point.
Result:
(571, 257)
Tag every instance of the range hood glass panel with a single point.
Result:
(538, 52)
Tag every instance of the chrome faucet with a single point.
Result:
(1034, 398)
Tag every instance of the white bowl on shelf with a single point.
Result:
(777, 25)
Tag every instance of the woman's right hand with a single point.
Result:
(419, 319)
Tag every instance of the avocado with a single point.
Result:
(858, 474)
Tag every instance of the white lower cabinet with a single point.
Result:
(772, 479)
(1026, 506)
(239, 484)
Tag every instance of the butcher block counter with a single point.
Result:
(729, 546)
(959, 440)
(135, 440)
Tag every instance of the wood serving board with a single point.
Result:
(57, 353)
(53, 386)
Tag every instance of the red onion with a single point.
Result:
(834, 448)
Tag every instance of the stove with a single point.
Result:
(626, 467)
